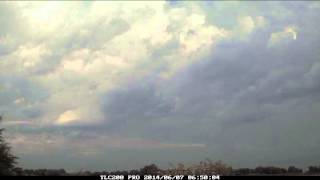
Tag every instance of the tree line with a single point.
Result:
(204, 167)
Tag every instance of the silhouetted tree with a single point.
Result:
(7, 160)
(210, 167)
(270, 170)
(150, 169)
(294, 170)
(243, 171)
(314, 169)
(134, 171)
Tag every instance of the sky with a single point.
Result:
(118, 85)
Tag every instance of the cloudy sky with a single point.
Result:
(106, 85)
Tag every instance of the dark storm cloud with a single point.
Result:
(137, 103)
(246, 97)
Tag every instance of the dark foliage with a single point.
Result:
(294, 170)
(150, 169)
(243, 171)
(270, 170)
(314, 170)
(7, 160)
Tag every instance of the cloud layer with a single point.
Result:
(236, 81)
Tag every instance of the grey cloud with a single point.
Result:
(15, 88)
(137, 103)
(246, 98)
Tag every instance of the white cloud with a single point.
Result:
(248, 24)
(85, 49)
(288, 34)
(26, 59)
(67, 117)
(20, 100)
